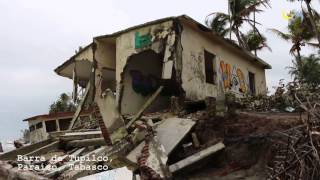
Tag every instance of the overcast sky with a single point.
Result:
(38, 35)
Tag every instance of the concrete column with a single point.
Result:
(44, 133)
(57, 123)
(44, 126)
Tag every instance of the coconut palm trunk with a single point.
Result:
(254, 29)
(299, 64)
(312, 20)
(299, 57)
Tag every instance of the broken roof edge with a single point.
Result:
(58, 114)
(70, 60)
(227, 42)
(202, 27)
(157, 21)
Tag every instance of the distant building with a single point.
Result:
(40, 126)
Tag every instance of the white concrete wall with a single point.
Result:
(38, 134)
(106, 54)
(125, 44)
(85, 55)
(194, 42)
(193, 69)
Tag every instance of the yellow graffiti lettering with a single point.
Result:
(226, 74)
(232, 78)
(240, 75)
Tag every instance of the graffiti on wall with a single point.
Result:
(196, 67)
(143, 84)
(232, 78)
(141, 41)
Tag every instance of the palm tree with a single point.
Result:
(239, 12)
(255, 41)
(63, 104)
(314, 18)
(309, 72)
(298, 34)
(219, 24)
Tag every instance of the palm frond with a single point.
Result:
(255, 40)
(218, 23)
(252, 6)
(282, 35)
(313, 45)
(250, 21)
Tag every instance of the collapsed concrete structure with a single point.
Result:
(143, 84)
(176, 56)
(178, 53)
(41, 125)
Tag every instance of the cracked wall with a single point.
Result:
(133, 43)
(141, 78)
(194, 43)
(38, 134)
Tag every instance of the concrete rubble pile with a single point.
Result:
(182, 141)
(282, 100)
(144, 147)
(175, 143)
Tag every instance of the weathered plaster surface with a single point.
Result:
(38, 135)
(110, 114)
(86, 54)
(193, 67)
(126, 48)
(126, 43)
(105, 54)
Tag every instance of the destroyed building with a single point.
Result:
(41, 125)
(137, 82)
(178, 53)
(174, 56)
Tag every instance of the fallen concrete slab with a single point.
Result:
(111, 117)
(81, 135)
(115, 174)
(53, 146)
(156, 159)
(196, 157)
(169, 134)
(87, 142)
(172, 131)
(145, 106)
(12, 155)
